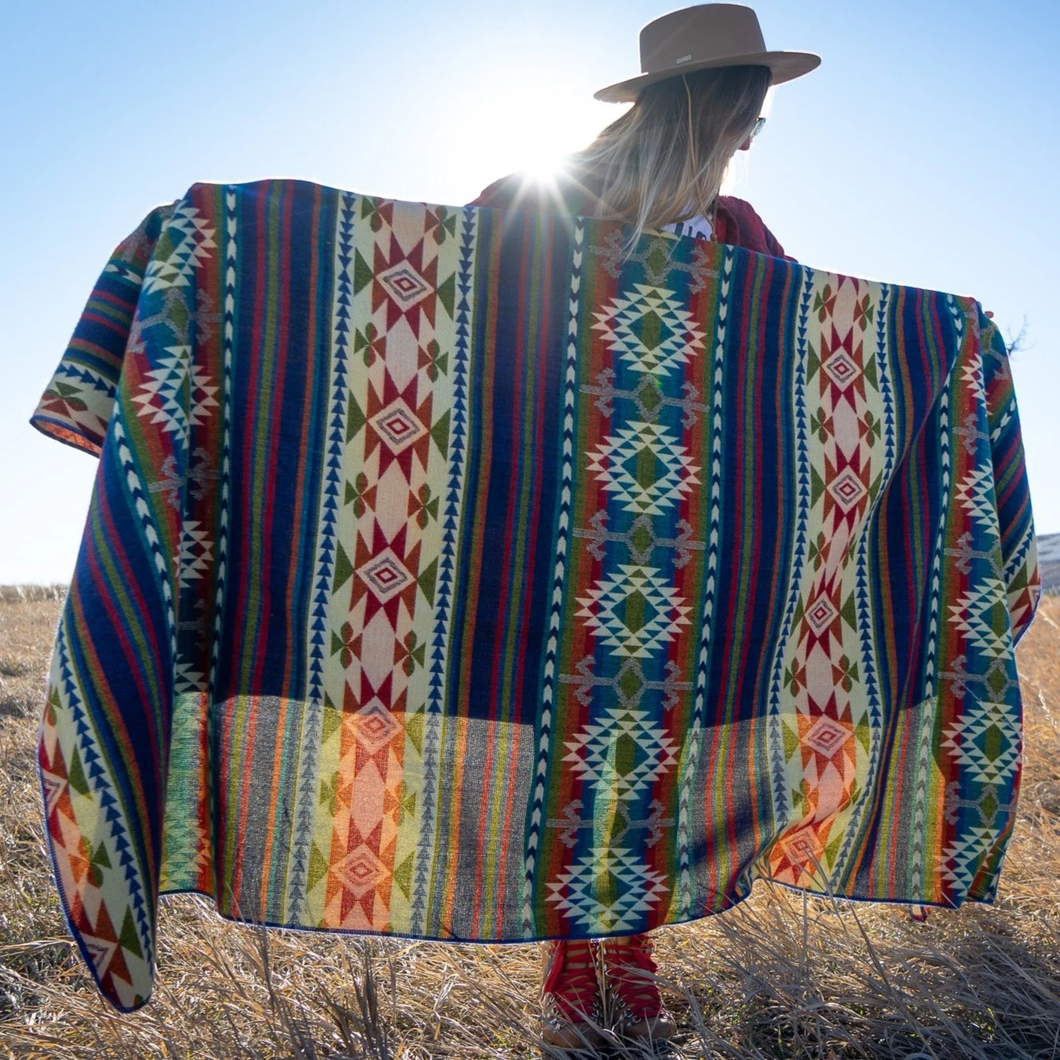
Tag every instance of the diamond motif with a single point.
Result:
(641, 538)
(187, 250)
(962, 859)
(821, 614)
(360, 871)
(986, 742)
(196, 552)
(847, 489)
(398, 425)
(826, 736)
(841, 368)
(982, 614)
(611, 895)
(163, 398)
(385, 574)
(646, 466)
(629, 684)
(648, 328)
(648, 398)
(404, 283)
(102, 950)
(634, 610)
(623, 751)
(802, 847)
(375, 725)
(976, 495)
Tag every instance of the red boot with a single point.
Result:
(631, 978)
(571, 1010)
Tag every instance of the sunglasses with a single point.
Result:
(758, 127)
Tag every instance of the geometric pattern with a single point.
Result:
(650, 330)
(385, 574)
(841, 368)
(982, 615)
(842, 395)
(646, 466)
(398, 425)
(451, 574)
(976, 495)
(826, 736)
(196, 552)
(960, 861)
(607, 897)
(186, 851)
(983, 742)
(183, 248)
(165, 396)
(404, 283)
(847, 489)
(621, 751)
(387, 551)
(634, 611)
(79, 398)
(821, 614)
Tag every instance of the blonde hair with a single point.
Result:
(664, 160)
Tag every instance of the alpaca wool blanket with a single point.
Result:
(471, 575)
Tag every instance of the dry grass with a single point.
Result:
(778, 977)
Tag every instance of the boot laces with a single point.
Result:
(631, 971)
(571, 985)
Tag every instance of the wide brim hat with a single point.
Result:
(702, 38)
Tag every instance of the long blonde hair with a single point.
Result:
(664, 160)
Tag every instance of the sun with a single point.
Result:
(533, 129)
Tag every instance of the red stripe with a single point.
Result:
(136, 769)
(275, 408)
(118, 327)
(505, 582)
(252, 364)
(80, 345)
(783, 327)
(106, 295)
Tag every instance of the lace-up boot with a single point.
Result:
(570, 997)
(630, 972)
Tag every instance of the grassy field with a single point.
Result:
(777, 977)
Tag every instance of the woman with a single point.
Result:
(699, 99)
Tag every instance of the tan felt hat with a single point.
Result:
(702, 37)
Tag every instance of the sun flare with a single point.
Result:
(534, 129)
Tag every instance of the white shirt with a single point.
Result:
(698, 226)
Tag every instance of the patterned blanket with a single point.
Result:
(460, 575)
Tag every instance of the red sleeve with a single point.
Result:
(739, 225)
(497, 195)
(562, 195)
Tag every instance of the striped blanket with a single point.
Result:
(465, 575)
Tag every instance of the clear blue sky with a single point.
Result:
(923, 151)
